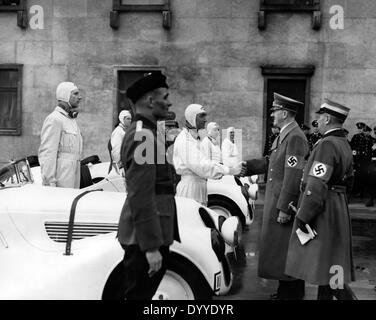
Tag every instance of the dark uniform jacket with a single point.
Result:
(268, 143)
(148, 217)
(359, 145)
(323, 205)
(313, 138)
(285, 171)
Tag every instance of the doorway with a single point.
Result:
(292, 82)
(126, 77)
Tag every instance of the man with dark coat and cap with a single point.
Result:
(327, 259)
(285, 171)
(314, 136)
(147, 225)
(358, 146)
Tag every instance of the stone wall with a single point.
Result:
(212, 55)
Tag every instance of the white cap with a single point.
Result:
(211, 126)
(229, 130)
(123, 114)
(191, 112)
(63, 91)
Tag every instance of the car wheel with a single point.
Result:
(225, 207)
(182, 281)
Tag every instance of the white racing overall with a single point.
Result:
(60, 150)
(194, 167)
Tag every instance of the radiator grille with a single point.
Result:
(58, 231)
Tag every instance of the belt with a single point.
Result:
(164, 189)
(337, 188)
(68, 156)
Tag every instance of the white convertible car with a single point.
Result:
(229, 196)
(60, 243)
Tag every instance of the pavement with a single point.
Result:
(248, 286)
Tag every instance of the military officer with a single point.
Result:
(305, 130)
(359, 149)
(323, 206)
(368, 169)
(314, 136)
(285, 171)
(147, 225)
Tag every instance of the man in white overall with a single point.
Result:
(191, 163)
(210, 144)
(117, 137)
(61, 141)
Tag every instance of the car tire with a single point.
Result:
(190, 283)
(188, 277)
(225, 207)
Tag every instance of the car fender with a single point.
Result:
(232, 192)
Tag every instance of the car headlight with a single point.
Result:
(252, 191)
(218, 244)
(231, 230)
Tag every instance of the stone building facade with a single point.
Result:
(212, 55)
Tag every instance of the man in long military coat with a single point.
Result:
(284, 174)
(358, 146)
(326, 260)
(147, 225)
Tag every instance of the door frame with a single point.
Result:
(278, 72)
(117, 70)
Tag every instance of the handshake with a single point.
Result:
(239, 170)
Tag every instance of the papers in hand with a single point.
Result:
(305, 237)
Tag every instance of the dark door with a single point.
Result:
(125, 79)
(292, 88)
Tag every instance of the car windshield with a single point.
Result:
(15, 173)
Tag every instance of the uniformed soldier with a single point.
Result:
(147, 225)
(284, 174)
(359, 149)
(323, 206)
(368, 169)
(314, 136)
(305, 130)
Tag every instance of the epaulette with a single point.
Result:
(139, 125)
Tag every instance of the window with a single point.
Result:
(162, 6)
(270, 6)
(10, 99)
(18, 6)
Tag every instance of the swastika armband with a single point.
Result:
(321, 170)
(295, 162)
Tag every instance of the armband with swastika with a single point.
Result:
(321, 170)
(296, 162)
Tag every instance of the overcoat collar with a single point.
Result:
(278, 140)
(338, 132)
